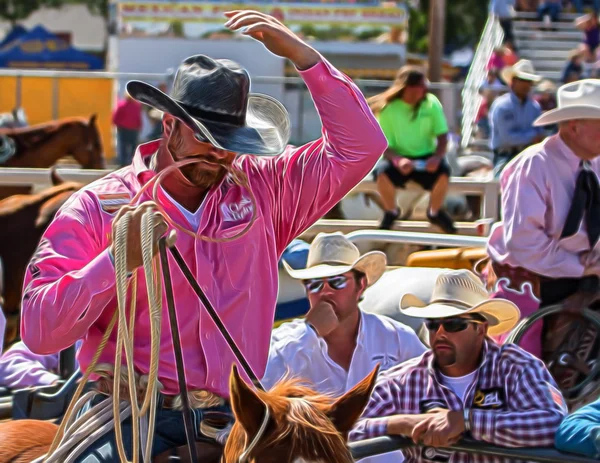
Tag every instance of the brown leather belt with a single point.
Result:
(199, 399)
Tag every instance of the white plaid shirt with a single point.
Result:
(513, 399)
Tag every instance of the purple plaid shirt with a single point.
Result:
(514, 402)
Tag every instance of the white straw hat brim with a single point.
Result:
(508, 73)
(568, 113)
(372, 264)
(502, 315)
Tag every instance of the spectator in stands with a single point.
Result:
(512, 115)
(590, 27)
(549, 10)
(127, 118)
(338, 344)
(466, 385)
(546, 95)
(579, 432)
(510, 53)
(492, 81)
(416, 129)
(574, 68)
(527, 5)
(482, 119)
(504, 10)
(496, 62)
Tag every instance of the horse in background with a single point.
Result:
(23, 220)
(44, 144)
(302, 425)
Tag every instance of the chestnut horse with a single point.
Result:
(301, 425)
(44, 144)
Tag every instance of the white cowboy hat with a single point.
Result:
(332, 254)
(522, 69)
(577, 100)
(460, 292)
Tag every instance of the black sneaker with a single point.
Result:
(388, 220)
(442, 220)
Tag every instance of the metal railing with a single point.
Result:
(491, 38)
(381, 445)
(420, 239)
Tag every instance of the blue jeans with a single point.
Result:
(550, 9)
(169, 433)
(127, 141)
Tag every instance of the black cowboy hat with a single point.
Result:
(212, 97)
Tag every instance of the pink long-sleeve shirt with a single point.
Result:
(537, 189)
(69, 290)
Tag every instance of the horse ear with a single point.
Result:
(93, 118)
(248, 409)
(347, 409)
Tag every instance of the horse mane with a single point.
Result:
(300, 416)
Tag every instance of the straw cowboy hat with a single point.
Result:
(332, 254)
(460, 292)
(212, 97)
(577, 100)
(522, 69)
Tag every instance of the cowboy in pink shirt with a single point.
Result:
(545, 250)
(70, 283)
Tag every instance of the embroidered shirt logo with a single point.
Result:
(236, 212)
(111, 203)
(490, 399)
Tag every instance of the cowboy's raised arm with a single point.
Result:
(311, 179)
(304, 183)
(69, 281)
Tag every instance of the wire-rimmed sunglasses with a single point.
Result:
(451, 325)
(315, 285)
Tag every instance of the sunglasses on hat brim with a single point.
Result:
(451, 325)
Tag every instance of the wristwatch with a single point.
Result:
(467, 419)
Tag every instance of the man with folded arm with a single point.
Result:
(338, 344)
(466, 385)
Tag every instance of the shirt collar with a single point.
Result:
(561, 148)
(516, 100)
(140, 161)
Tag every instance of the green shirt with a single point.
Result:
(413, 137)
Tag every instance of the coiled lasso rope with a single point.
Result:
(74, 436)
(96, 422)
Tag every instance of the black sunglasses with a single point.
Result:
(316, 285)
(451, 325)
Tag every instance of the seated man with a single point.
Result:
(337, 344)
(466, 384)
(550, 198)
(416, 129)
(580, 432)
(20, 368)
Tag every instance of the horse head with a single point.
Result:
(88, 149)
(292, 422)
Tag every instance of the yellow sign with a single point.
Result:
(289, 13)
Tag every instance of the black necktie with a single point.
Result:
(586, 201)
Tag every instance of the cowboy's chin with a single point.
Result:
(204, 177)
(444, 356)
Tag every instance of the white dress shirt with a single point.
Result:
(298, 351)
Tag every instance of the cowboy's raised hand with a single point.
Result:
(276, 37)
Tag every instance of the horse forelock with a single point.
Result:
(299, 427)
